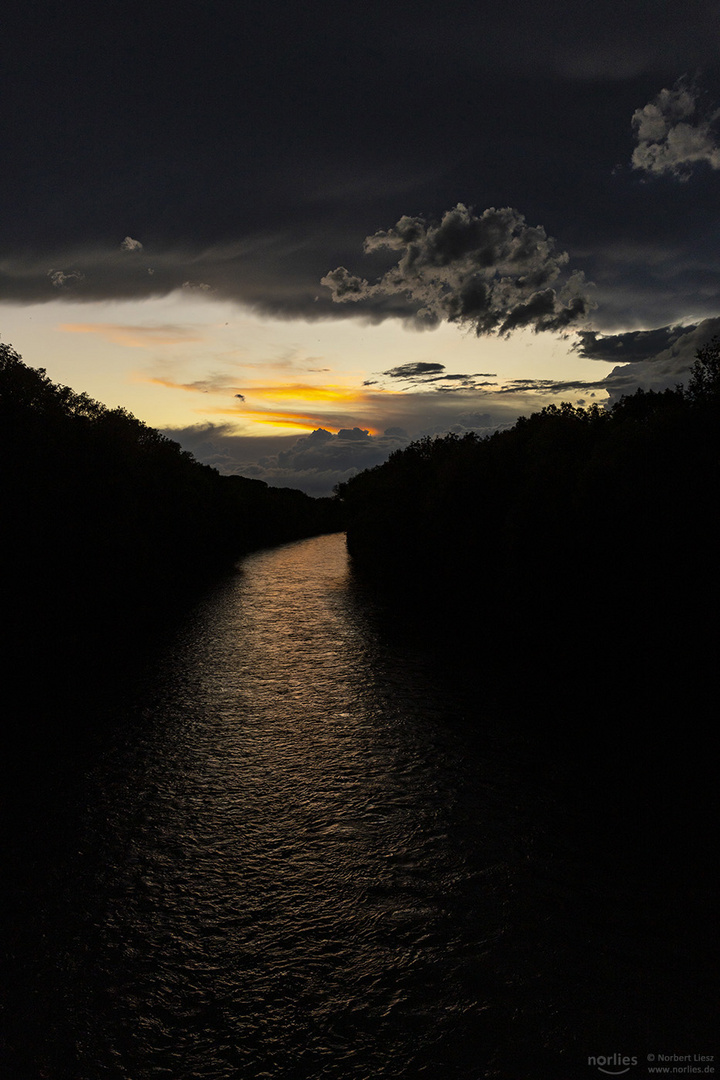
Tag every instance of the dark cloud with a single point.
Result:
(433, 375)
(630, 347)
(675, 132)
(668, 367)
(556, 387)
(657, 359)
(414, 370)
(453, 384)
(250, 158)
(355, 434)
(490, 271)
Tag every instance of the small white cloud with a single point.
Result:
(675, 134)
(199, 285)
(60, 277)
(129, 244)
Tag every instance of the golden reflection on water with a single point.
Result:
(307, 867)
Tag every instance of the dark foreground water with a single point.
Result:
(309, 854)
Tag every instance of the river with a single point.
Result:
(308, 854)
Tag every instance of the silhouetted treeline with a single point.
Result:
(105, 521)
(568, 567)
(585, 504)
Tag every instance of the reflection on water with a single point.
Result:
(312, 861)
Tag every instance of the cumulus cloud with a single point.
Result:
(490, 271)
(129, 244)
(315, 463)
(318, 461)
(675, 133)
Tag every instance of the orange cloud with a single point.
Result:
(296, 418)
(305, 392)
(288, 405)
(213, 385)
(136, 337)
(273, 392)
(270, 392)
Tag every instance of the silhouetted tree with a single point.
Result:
(704, 384)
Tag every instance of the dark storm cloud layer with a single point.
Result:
(242, 150)
(266, 272)
(490, 271)
(629, 347)
(651, 360)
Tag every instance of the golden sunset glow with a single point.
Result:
(291, 419)
(273, 391)
(188, 359)
(306, 392)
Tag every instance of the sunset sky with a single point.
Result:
(296, 236)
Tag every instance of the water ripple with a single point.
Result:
(309, 865)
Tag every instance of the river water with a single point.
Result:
(307, 854)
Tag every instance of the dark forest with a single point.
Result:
(571, 562)
(616, 507)
(109, 527)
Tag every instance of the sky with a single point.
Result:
(295, 237)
